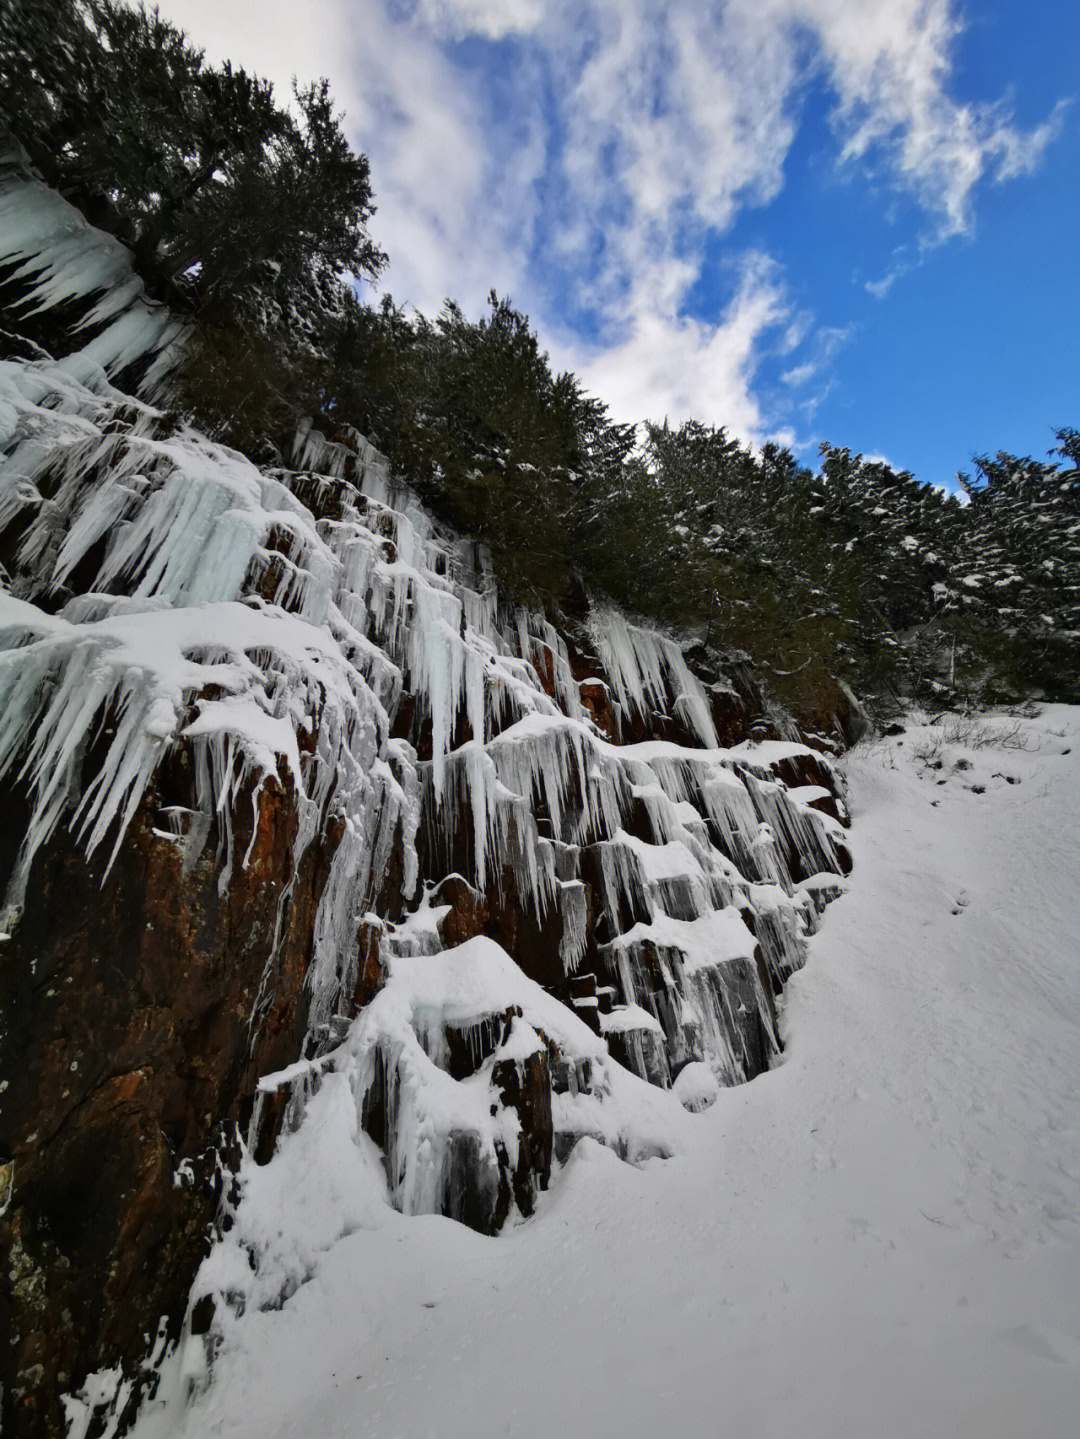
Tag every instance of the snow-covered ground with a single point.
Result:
(877, 1238)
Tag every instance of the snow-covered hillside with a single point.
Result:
(344, 899)
(311, 826)
(877, 1237)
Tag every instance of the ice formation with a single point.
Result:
(312, 628)
(48, 247)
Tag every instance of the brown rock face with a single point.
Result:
(532, 942)
(836, 716)
(139, 1009)
(525, 1087)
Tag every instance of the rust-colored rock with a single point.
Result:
(543, 662)
(370, 971)
(596, 701)
(139, 1009)
(836, 719)
(469, 914)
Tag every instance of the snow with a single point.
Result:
(626, 1018)
(396, 1058)
(877, 1237)
(705, 942)
(770, 752)
(695, 1087)
(475, 980)
(807, 794)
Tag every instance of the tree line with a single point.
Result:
(253, 220)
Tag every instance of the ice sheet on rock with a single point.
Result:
(669, 819)
(805, 839)
(420, 932)
(573, 906)
(543, 763)
(541, 643)
(397, 1056)
(402, 609)
(782, 924)
(648, 672)
(635, 1119)
(707, 780)
(216, 611)
(63, 258)
(327, 1180)
(648, 879)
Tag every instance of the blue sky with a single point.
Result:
(852, 220)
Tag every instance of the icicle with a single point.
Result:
(64, 259)
(322, 655)
(574, 912)
(642, 666)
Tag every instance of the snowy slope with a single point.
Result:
(878, 1237)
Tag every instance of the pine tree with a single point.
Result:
(225, 198)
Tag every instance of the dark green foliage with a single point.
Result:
(854, 571)
(1021, 579)
(226, 200)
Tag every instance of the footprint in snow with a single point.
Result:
(961, 902)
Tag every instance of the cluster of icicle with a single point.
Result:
(45, 242)
(163, 592)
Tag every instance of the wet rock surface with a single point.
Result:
(139, 1009)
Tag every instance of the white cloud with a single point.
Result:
(890, 63)
(799, 374)
(455, 199)
(668, 365)
(617, 136)
(494, 19)
(264, 37)
(880, 288)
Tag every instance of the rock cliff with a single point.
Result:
(292, 795)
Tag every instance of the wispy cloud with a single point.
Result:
(890, 62)
(581, 154)
(799, 374)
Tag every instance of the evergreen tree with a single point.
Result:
(225, 199)
(1021, 568)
